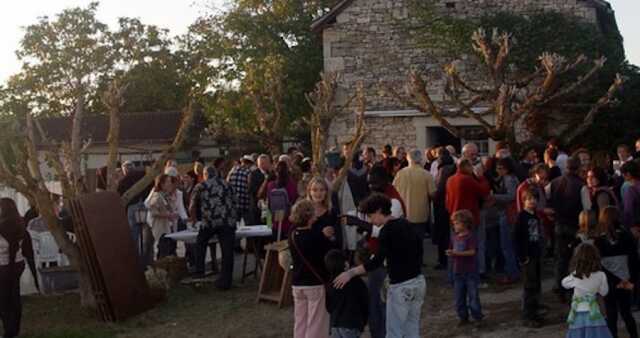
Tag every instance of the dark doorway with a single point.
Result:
(439, 136)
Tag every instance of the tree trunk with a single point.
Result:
(76, 145)
(274, 145)
(114, 145)
(319, 145)
(156, 169)
(68, 248)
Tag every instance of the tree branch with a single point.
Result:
(76, 144)
(177, 144)
(589, 119)
(356, 141)
(114, 100)
(598, 64)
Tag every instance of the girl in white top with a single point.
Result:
(587, 282)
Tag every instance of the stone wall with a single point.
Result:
(381, 131)
(369, 43)
(477, 8)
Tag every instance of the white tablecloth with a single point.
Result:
(190, 236)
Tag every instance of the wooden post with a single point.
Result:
(279, 218)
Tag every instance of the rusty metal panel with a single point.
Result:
(110, 256)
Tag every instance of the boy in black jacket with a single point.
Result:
(349, 306)
(529, 249)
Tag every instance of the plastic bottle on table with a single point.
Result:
(269, 219)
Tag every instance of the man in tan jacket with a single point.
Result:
(417, 187)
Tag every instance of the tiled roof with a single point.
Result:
(134, 127)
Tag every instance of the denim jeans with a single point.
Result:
(339, 332)
(226, 237)
(480, 233)
(377, 308)
(404, 307)
(506, 243)
(467, 296)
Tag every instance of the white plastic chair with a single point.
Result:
(45, 249)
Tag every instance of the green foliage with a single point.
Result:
(63, 58)
(535, 33)
(73, 55)
(146, 63)
(248, 35)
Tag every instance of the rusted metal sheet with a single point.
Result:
(104, 237)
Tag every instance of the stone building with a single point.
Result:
(365, 40)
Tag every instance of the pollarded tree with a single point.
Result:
(515, 99)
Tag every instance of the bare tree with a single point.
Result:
(265, 85)
(21, 170)
(114, 101)
(511, 97)
(359, 134)
(324, 111)
(188, 114)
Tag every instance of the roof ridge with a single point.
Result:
(122, 114)
(319, 24)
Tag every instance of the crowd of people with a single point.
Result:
(493, 219)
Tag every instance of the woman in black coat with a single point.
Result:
(15, 248)
(441, 228)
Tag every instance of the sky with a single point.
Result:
(176, 15)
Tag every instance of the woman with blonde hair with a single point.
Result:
(587, 227)
(327, 221)
(309, 275)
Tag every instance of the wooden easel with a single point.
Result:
(275, 282)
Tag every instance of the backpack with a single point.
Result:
(278, 199)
